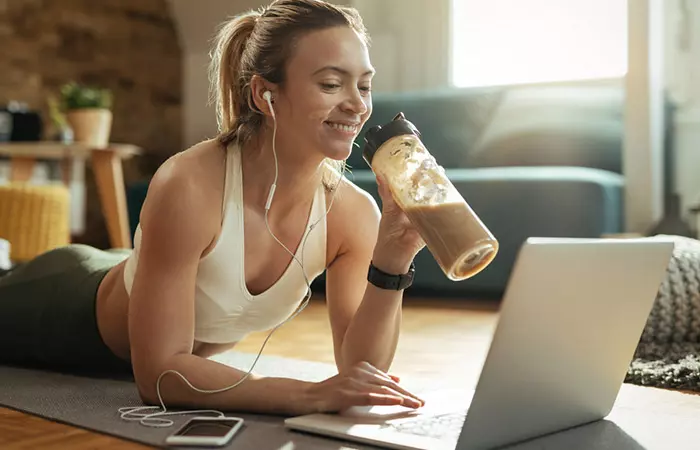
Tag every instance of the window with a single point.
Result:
(496, 42)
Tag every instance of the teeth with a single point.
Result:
(341, 127)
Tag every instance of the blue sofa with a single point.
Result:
(530, 160)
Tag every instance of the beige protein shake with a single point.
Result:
(455, 236)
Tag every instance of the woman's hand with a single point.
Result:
(361, 385)
(398, 241)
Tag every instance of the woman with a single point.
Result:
(210, 262)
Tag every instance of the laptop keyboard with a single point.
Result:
(439, 426)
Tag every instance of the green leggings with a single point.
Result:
(47, 311)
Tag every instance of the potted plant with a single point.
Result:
(89, 113)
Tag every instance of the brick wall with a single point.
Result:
(128, 46)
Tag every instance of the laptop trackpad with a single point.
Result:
(436, 402)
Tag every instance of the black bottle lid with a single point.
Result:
(379, 134)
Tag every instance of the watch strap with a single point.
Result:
(389, 281)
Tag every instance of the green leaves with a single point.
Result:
(76, 96)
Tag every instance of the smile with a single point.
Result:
(348, 129)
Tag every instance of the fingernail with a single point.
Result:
(414, 403)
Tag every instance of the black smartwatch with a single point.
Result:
(385, 280)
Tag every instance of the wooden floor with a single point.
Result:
(445, 339)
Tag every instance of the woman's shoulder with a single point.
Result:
(353, 221)
(188, 182)
(198, 162)
(353, 204)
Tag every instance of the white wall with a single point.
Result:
(197, 23)
(410, 43)
(643, 152)
(682, 69)
(682, 48)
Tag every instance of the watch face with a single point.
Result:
(407, 279)
(411, 274)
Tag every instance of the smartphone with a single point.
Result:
(206, 431)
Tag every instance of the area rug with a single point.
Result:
(668, 353)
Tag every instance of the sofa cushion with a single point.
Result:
(552, 140)
(560, 126)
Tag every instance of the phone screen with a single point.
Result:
(208, 428)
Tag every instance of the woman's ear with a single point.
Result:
(258, 87)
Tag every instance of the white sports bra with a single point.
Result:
(225, 311)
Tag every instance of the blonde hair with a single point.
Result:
(260, 42)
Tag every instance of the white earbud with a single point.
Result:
(267, 95)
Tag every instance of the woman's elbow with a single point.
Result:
(146, 386)
(146, 374)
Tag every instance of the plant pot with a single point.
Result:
(91, 126)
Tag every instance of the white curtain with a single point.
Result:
(410, 43)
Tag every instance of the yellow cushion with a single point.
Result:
(34, 218)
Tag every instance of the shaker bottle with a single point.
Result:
(458, 240)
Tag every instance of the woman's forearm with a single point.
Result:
(256, 394)
(373, 333)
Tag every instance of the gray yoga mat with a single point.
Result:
(92, 403)
(636, 423)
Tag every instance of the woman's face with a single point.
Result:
(326, 98)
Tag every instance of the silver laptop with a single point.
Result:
(570, 320)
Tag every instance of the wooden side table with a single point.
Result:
(109, 177)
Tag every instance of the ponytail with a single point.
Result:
(227, 77)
